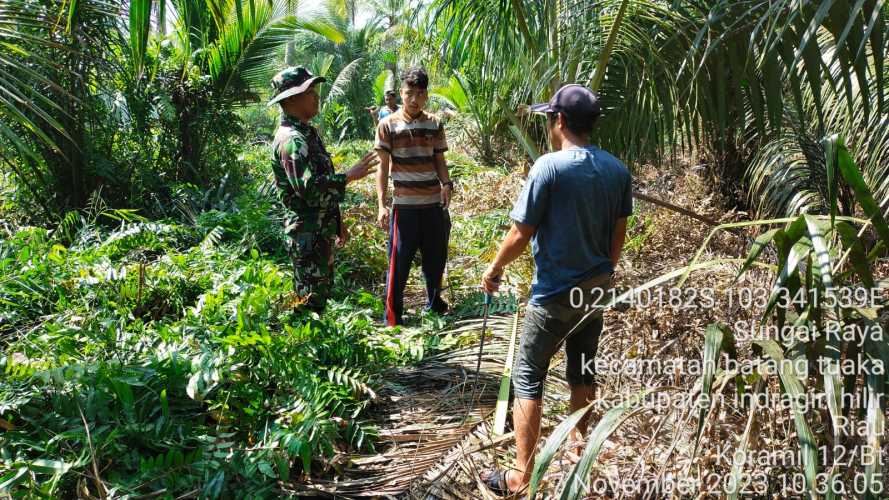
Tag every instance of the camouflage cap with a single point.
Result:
(291, 81)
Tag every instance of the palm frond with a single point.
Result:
(453, 93)
(345, 77)
(29, 114)
(324, 28)
(787, 176)
(382, 83)
(241, 59)
(140, 27)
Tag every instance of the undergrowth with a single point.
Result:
(170, 357)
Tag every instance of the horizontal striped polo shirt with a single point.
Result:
(412, 144)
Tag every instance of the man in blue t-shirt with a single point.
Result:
(573, 209)
(391, 99)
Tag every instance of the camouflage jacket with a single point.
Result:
(310, 189)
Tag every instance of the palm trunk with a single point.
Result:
(71, 175)
(290, 54)
(162, 18)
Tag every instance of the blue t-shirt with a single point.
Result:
(385, 111)
(574, 198)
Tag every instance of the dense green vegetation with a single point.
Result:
(179, 345)
(150, 342)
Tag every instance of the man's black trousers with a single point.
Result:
(411, 229)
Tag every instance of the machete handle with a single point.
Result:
(489, 297)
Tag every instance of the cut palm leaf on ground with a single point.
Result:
(506, 382)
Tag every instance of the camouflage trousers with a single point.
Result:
(312, 257)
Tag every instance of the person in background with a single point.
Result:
(391, 99)
(309, 187)
(411, 145)
(573, 209)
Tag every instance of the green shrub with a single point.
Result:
(173, 353)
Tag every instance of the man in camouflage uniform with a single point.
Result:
(310, 188)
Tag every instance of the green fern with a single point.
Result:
(352, 378)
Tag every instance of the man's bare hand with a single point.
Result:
(491, 279)
(343, 237)
(361, 169)
(446, 192)
(383, 218)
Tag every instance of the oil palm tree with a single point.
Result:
(845, 95)
(329, 43)
(398, 19)
(70, 59)
(715, 77)
(185, 84)
(222, 54)
(25, 112)
(21, 104)
(477, 101)
(535, 47)
(51, 52)
(751, 66)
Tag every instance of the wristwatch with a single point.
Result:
(448, 183)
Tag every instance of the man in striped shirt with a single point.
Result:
(411, 145)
